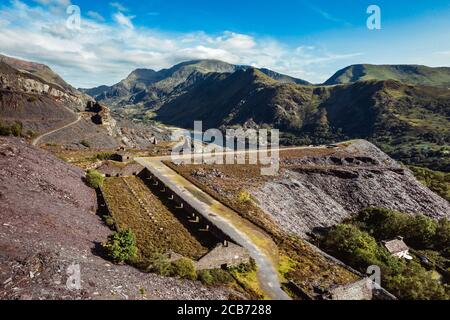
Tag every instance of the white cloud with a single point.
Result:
(96, 16)
(124, 20)
(118, 6)
(104, 53)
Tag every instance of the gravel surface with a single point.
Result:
(321, 192)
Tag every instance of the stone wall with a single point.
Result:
(359, 290)
(224, 255)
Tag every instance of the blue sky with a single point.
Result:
(304, 38)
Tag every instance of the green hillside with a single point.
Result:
(412, 74)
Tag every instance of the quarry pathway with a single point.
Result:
(37, 139)
(259, 244)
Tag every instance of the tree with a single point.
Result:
(421, 232)
(442, 237)
(352, 245)
(121, 246)
(415, 283)
(383, 224)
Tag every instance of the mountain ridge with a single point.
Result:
(407, 73)
(147, 85)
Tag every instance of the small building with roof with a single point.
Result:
(398, 248)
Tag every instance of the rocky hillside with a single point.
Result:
(411, 74)
(32, 77)
(42, 102)
(36, 104)
(49, 222)
(39, 70)
(314, 192)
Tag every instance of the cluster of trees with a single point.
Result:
(419, 231)
(357, 244)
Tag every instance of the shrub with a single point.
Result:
(221, 277)
(246, 267)
(244, 196)
(159, 264)
(109, 221)
(215, 277)
(183, 268)
(16, 129)
(94, 179)
(205, 277)
(121, 246)
(32, 99)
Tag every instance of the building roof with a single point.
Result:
(396, 246)
(112, 169)
(109, 169)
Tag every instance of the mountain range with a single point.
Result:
(404, 109)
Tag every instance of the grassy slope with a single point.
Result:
(413, 74)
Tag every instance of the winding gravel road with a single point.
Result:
(36, 140)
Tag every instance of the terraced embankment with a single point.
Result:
(134, 206)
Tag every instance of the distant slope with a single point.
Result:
(411, 74)
(403, 119)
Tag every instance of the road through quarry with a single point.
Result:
(259, 244)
